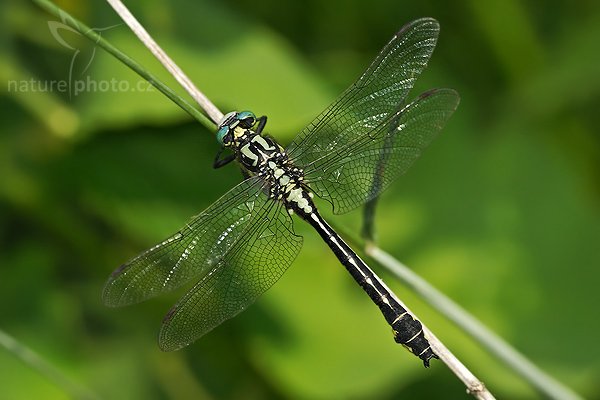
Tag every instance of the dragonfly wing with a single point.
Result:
(251, 267)
(191, 252)
(373, 97)
(360, 170)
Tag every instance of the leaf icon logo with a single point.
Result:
(58, 29)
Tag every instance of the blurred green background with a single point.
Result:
(502, 213)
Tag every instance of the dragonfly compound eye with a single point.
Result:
(222, 135)
(247, 119)
(230, 119)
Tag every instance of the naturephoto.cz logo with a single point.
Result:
(78, 79)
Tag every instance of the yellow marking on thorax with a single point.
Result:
(245, 150)
(261, 140)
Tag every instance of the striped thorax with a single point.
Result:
(263, 156)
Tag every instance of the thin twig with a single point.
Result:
(544, 383)
(474, 386)
(91, 34)
(211, 110)
(36, 362)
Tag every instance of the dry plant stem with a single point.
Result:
(475, 387)
(494, 344)
(211, 110)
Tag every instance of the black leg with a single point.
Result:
(219, 162)
(262, 121)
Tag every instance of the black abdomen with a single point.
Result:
(407, 330)
(409, 333)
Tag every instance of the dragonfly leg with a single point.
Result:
(262, 121)
(220, 162)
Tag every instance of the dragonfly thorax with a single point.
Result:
(263, 156)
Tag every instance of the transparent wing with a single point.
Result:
(249, 269)
(189, 253)
(373, 97)
(358, 171)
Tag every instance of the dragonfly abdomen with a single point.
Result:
(409, 333)
(407, 330)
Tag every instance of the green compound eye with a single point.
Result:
(247, 119)
(228, 121)
(245, 114)
(221, 133)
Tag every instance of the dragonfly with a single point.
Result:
(238, 247)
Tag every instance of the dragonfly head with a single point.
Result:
(234, 125)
